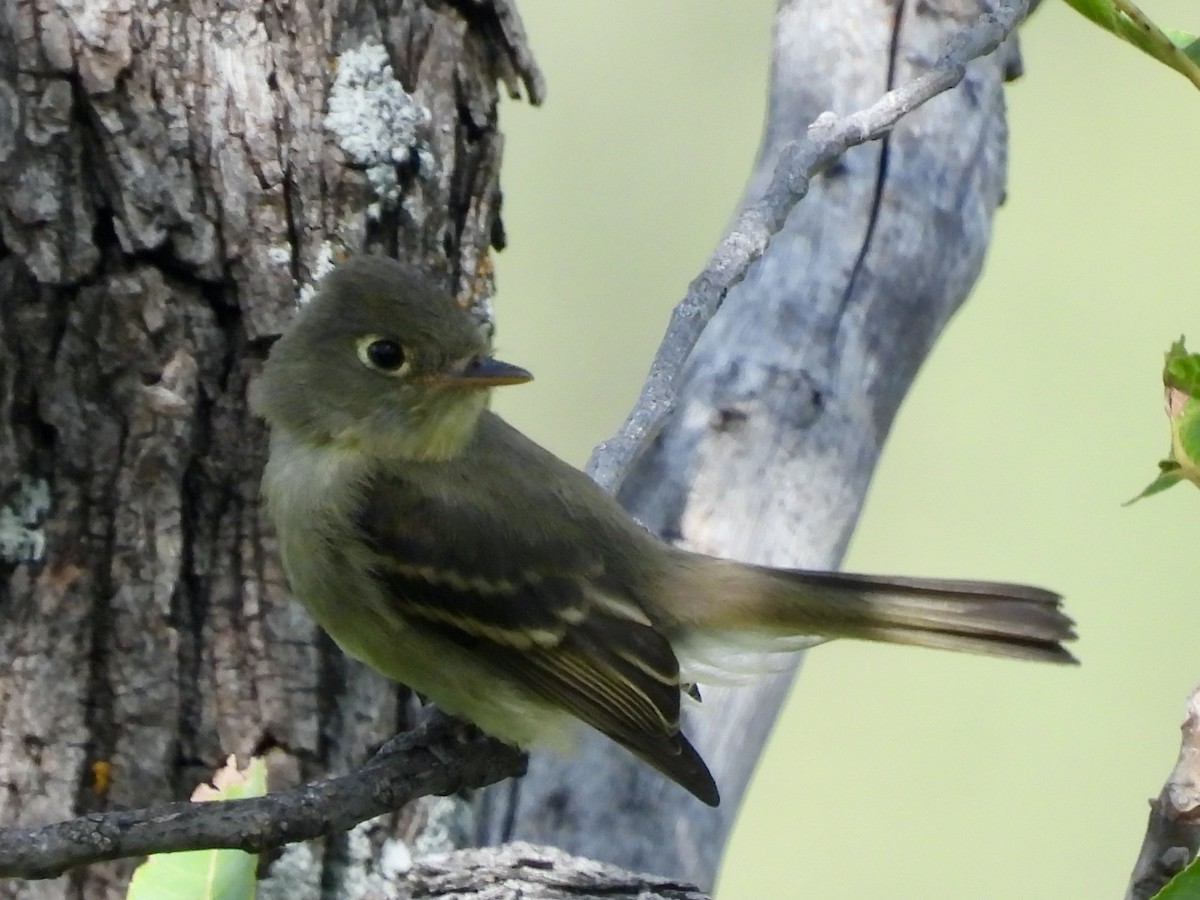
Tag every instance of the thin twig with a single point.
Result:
(828, 138)
(440, 757)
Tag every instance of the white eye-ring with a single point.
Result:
(383, 354)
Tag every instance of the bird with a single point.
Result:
(442, 547)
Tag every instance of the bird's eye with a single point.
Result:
(385, 355)
(382, 354)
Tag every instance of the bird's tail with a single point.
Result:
(994, 618)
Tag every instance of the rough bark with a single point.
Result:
(1173, 831)
(785, 402)
(520, 871)
(171, 175)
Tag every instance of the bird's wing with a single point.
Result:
(538, 605)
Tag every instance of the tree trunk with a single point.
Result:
(172, 176)
(787, 399)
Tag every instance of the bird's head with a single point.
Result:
(382, 360)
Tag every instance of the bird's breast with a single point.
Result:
(314, 494)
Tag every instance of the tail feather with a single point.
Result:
(992, 618)
(1012, 648)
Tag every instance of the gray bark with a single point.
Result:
(170, 176)
(784, 404)
(1172, 837)
(521, 871)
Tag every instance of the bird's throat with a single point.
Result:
(435, 432)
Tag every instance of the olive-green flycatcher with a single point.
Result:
(444, 548)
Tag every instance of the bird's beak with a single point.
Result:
(482, 372)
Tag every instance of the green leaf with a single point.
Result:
(1177, 49)
(1169, 476)
(206, 874)
(1184, 886)
(1186, 448)
(1182, 370)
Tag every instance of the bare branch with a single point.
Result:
(1173, 832)
(440, 757)
(828, 138)
(527, 870)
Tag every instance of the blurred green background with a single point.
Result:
(892, 772)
